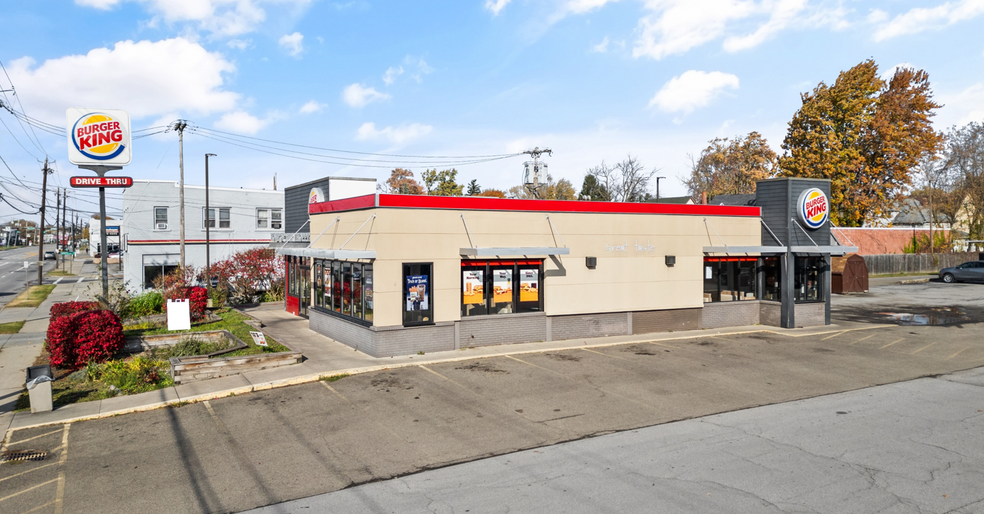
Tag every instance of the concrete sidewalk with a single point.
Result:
(19, 351)
(326, 357)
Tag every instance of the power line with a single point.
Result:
(38, 145)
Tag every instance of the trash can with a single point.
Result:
(39, 387)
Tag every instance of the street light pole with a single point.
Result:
(657, 186)
(208, 223)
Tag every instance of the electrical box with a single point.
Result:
(591, 262)
(670, 260)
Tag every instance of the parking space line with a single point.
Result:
(535, 366)
(662, 344)
(59, 280)
(923, 348)
(958, 352)
(28, 471)
(60, 492)
(350, 402)
(33, 438)
(890, 344)
(835, 334)
(80, 280)
(18, 493)
(862, 339)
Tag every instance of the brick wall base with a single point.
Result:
(731, 314)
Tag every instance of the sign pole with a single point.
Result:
(103, 243)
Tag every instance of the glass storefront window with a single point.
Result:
(728, 279)
(771, 279)
(418, 308)
(344, 287)
(807, 274)
(501, 287)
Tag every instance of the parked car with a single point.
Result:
(972, 271)
(49, 255)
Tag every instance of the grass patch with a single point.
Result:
(232, 320)
(334, 378)
(11, 328)
(186, 348)
(60, 273)
(33, 297)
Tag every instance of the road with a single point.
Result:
(13, 277)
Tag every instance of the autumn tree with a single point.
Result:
(441, 183)
(401, 182)
(626, 181)
(493, 193)
(863, 134)
(731, 166)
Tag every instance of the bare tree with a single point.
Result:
(626, 181)
(731, 166)
(965, 160)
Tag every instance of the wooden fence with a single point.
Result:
(894, 264)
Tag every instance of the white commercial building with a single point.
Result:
(240, 219)
(112, 235)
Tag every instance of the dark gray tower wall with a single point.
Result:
(296, 205)
(777, 198)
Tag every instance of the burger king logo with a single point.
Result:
(316, 195)
(99, 136)
(813, 208)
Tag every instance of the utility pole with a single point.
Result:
(180, 127)
(58, 208)
(208, 223)
(64, 212)
(536, 153)
(657, 186)
(44, 191)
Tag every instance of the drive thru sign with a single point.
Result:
(101, 181)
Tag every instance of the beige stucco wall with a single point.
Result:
(627, 277)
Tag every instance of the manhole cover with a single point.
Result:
(22, 455)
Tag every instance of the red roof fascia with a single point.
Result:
(481, 203)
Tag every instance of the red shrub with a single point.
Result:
(98, 336)
(198, 297)
(65, 308)
(83, 337)
(60, 342)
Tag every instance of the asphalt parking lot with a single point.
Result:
(247, 451)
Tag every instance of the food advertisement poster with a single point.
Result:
(417, 293)
(529, 285)
(502, 285)
(472, 287)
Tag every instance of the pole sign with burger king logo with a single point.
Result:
(99, 137)
(813, 208)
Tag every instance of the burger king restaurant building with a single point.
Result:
(399, 274)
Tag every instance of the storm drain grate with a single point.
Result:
(22, 455)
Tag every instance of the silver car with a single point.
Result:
(972, 271)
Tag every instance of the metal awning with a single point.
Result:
(327, 253)
(831, 249)
(734, 250)
(521, 251)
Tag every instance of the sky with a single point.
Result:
(467, 84)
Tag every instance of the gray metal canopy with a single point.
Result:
(327, 253)
(521, 251)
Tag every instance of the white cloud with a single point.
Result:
(359, 96)
(920, 19)
(219, 17)
(495, 6)
(877, 16)
(783, 13)
(311, 107)
(676, 26)
(583, 6)
(691, 90)
(294, 43)
(890, 72)
(241, 122)
(145, 78)
(397, 135)
(601, 47)
(391, 73)
(963, 107)
(239, 44)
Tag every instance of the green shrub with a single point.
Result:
(147, 304)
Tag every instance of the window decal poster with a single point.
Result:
(472, 289)
(502, 285)
(417, 293)
(529, 285)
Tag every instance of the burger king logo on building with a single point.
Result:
(316, 195)
(98, 137)
(813, 208)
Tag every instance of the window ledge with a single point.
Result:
(499, 316)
